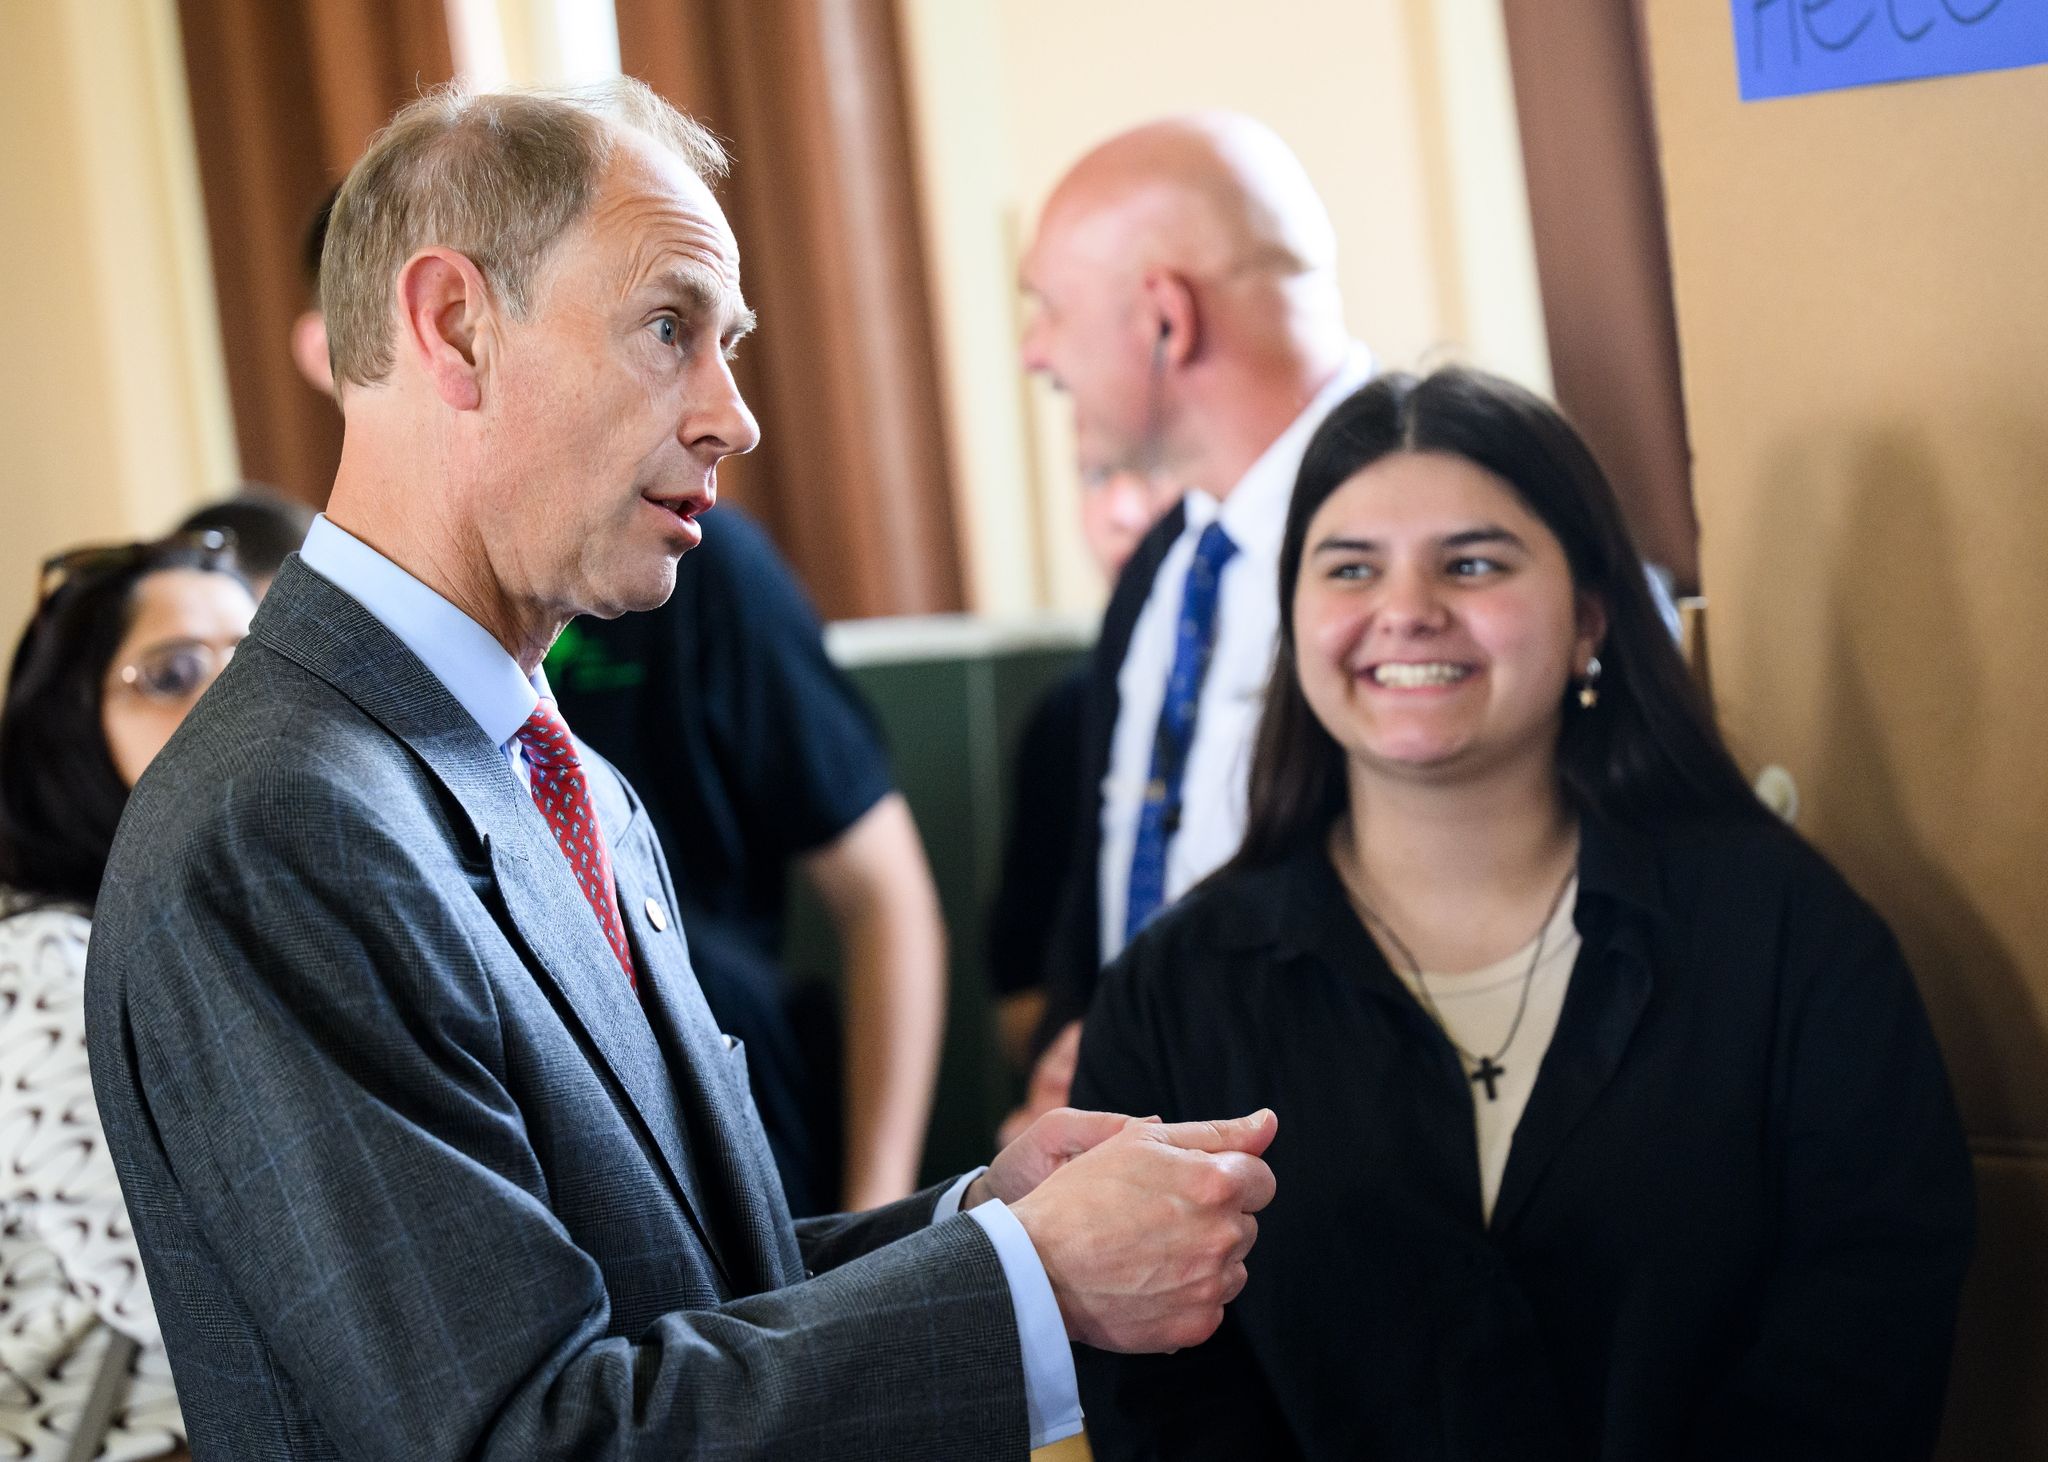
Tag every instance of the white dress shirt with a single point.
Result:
(1218, 771)
(488, 683)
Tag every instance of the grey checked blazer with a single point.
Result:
(414, 1174)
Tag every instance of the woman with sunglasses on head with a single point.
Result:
(123, 643)
(1611, 1124)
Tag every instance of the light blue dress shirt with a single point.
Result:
(464, 656)
(1052, 1397)
(488, 683)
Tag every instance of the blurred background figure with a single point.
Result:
(1117, 510)
(123, 643)
(263, 526)
(309, 327)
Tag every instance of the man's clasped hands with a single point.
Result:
(1142, 1225)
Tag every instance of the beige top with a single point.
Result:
(1478, 1011)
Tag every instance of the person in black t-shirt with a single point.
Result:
(753, 753)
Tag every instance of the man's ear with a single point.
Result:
(1173, 315)
(444, 305)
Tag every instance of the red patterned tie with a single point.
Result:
(562, 793)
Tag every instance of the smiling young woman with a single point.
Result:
(1614, 1126)
(1438, 622)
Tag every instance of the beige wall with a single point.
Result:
(113, 406)
(1400, 110)
(538, 42)
(1863, 322)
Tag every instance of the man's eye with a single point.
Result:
(668, 330)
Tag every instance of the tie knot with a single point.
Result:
(545, 738)
(1214, 548)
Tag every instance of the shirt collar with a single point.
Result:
(1255, 512)
(484, 679)
(1619, 863)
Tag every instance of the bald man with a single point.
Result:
(1184, 277)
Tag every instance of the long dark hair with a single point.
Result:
(60, 795)
(1648, 752)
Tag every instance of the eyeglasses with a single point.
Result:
(176, 672)
(214, 545)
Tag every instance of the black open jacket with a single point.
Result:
(1736, 1212)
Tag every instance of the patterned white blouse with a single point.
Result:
(68, 1263)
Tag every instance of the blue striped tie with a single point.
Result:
(1159, 814)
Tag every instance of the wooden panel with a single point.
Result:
(1864, 324)
(1997, 1404)
(1863, 330)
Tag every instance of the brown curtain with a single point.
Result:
(851, 476)
(285, 94)
(1596, 208)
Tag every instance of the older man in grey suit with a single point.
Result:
(431, 1146)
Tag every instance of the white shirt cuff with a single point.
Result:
(1052, 1397)
(948, 1205)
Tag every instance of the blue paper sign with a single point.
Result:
(1788, 47)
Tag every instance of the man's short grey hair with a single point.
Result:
(497, 176)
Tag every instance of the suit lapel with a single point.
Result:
(1119, 623)
(1098, 731)
(709, 1074)
(315, 624)
(549, 914)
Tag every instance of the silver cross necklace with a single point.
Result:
(1486, 1070)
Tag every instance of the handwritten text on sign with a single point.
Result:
(1786, 47)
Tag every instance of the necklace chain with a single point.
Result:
(1483, 1063)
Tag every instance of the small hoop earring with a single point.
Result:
(1589, 692)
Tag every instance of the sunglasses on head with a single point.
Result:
(214, 547)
